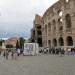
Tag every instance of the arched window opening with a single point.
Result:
(49, 28)
(61, 42)
(46, 29)
(54, 42)
(34, 32)
(39, 41)
(69, 41)
(61, 28)
(38, 27)
(60, 23)
(60, 13)
(54, 25)
(67, 0)
(32, 40)
(43, 28)
(39, 32)
(49, 43)
(68, 20)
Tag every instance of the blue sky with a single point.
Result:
(16, 16)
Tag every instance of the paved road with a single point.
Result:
(38, 65)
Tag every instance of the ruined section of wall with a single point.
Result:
(36, 34)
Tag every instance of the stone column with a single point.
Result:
(73, 40)
(57, 42)
(51, 43)
(65, 43)
(73, 24)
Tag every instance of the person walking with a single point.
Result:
(0, 52)
(18, 52)
(69, 51)
(6, 54)
(15, 55)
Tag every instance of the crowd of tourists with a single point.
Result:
(10, 53)
(15, 53)
(69, 51)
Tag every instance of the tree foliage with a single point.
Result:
(17, 44)
(9, 46)
(21, 40)
(1, 42)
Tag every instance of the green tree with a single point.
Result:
(17, 44)
(9, 46)
(22, 40)
(1, 42)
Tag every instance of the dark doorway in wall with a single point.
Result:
(39, 41)
(68, 21)
(49, 43)
(61, 42)
(69, 41)
(54, 42)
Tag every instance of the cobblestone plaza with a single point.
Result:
(38, 65)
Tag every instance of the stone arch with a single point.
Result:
(54, 24)
(39, 32)
(68, 20)
(32, 40)
(46, 29)
(67, 0)
(69, 41)
(54, 42)
(39, 41)
(49, 43)
(60, 23)
(60, 13)
(49, 28)
(61, 42)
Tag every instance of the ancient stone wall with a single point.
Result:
(58, 25)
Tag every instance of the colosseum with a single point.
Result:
(58, 25)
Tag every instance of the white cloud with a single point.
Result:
(17, 15)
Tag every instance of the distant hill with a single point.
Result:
(11, 41)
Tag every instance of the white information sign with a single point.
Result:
(31, 49)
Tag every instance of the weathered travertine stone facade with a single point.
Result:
(58, 25)
(36, 34)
